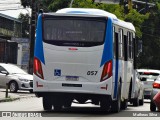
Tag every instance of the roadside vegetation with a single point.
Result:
(145, 19)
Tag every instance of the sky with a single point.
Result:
(12, 8)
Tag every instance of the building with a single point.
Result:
(11, 42)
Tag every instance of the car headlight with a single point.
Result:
(24, 80)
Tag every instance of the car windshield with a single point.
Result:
(12, 69)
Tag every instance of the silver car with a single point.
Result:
(15, 78)
(148, 76)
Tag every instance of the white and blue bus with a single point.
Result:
(84, 54)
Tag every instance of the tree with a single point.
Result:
(151, 40)
(146, 24)
(54, 5)
(26, 3)
(25, 24)
(137, 20)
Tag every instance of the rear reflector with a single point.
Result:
(105, 88)
(156, 85)
(38, 68)
(72, 49)
(38, 85)
(107, 71)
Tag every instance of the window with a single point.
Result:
(125, 48)
(74, 31)
(130, 45)
(116, 45)
(2, 69)
(121, 43)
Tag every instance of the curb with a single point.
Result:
(9, 99)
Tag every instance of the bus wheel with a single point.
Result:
(47, 103)
(105, 104)
(58, 103)
(116, 105)
(136, 102)
(124, 104)
(68, 103)
(57, 107)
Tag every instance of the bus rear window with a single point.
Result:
(80, 32)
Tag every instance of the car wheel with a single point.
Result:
(13, 86)
(31, 91)
(152, 106)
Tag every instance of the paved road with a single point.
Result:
(79, 111)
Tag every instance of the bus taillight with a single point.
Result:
(38, 68)
(107, 71)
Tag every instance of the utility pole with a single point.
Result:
(129, 4)
(32, 36)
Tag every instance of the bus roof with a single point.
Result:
(92, 11)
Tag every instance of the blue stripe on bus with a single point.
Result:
(108, 45)
(38, 51)
(116, 79)
(74, 12)
(108, 53)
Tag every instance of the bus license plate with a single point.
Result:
(72, 78)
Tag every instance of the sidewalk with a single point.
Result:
(11, 96)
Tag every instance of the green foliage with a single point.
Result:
(151, 41)
(26, 3)
(113, 8)
(54, 5)
(25, 24)
(147, 25)
(83, 4)
(136, 19)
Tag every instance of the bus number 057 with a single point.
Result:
(92, 72)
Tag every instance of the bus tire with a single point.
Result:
(57, 107)
(141, 101)
(136, 102)
(124, 104)
(47, 103)
(116, 105)
(58, 103)
(105, 104)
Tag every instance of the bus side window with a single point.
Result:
(125, 48)
(116, 45)
(120, 42)
(130, 45)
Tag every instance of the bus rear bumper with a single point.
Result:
(43, 86)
